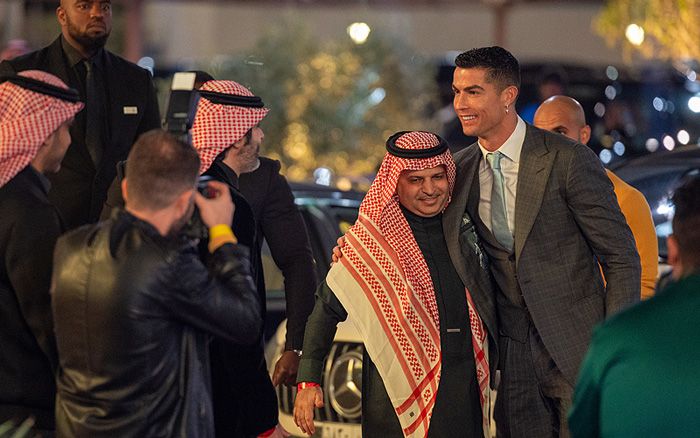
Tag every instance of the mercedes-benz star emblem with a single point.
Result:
(346, 385)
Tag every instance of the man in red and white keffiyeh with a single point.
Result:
(36, 109)
(425, 367)
(227, 137)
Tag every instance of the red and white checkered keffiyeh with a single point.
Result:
(384, 283)
(27, 118)
(216, 127)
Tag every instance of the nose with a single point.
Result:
(96, 9)
(428, 186)
(459, 101)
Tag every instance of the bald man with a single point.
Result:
(564, 115)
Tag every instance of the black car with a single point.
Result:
(656, 176)
(328, 213)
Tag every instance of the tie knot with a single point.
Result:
(89, 65)
(494, 159)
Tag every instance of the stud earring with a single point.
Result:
(507, 109)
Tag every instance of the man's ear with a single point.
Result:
(585, 134)
(509, 95)
(124, 190)
(61, 15)
(182, 202)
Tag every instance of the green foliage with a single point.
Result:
(333, 103)
(671, 27)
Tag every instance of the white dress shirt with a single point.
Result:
(510, 163)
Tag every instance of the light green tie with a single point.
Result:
(499, 215)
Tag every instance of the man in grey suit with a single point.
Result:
(547, 215)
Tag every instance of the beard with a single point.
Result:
(89, 43)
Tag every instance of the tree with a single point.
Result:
(671, 27)
(333, 103)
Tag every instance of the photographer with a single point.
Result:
(134, 307)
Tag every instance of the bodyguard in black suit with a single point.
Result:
(120, 105)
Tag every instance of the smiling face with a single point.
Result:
(86, 24)
(484, 109)
(423, 192)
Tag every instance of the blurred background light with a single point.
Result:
(148, 63)
(599, 109)
(612, 73)
(610, 92)
(669, 142)
(683, 137)
(619, 148)
(652, 144)
(694, 104)
(635, 34)
(605, 156)
(359, 32)
(323, 176)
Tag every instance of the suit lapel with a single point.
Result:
(466, 172)
(57, 62)
(535, 167)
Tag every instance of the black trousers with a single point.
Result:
(533, 396)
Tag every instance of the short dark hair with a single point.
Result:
(502, 67)
(686, 220)
(159, 169)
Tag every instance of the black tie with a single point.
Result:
(93, 109)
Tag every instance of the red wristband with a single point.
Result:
(302, 385)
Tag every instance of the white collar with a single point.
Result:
(512, 147)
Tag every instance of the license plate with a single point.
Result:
(341, 431)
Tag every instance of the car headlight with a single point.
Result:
(345, 385)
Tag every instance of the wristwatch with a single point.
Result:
(297, 352)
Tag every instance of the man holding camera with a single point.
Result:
(135, 307)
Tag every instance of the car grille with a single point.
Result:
(287, 394)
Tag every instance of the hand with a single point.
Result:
(216, 210)
(337, 253)
(286, 369)
(307, 400)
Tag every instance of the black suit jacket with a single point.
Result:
(29, 227)
(79, 189)
(278, 220)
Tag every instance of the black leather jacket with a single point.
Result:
(133, 315)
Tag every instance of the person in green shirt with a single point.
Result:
(641, 375)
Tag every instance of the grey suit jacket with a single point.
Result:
(472, 265)
(567, 219)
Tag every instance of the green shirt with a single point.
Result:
(641, 375)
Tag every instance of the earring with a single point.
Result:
(507, 109)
